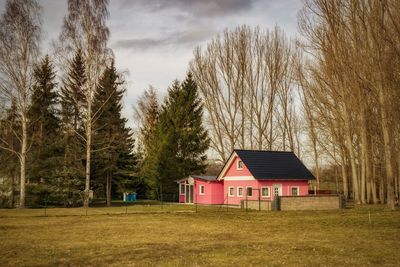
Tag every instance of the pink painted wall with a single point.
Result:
(257, 184)
(181, 197)
(233, 171)
(213, 192)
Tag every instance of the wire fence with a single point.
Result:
(50, 205)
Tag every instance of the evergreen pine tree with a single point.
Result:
(113, 158)
(193, 140)
(9, 165)
(72, 96)
(182, 141)
(72, 99)
(44, 125)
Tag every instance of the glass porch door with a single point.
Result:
(189, 194)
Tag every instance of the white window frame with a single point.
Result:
(269, 192)
(247, 187)
(204, 189)
(237, 164)
(182, 192)
(229, 191)
(237, 191)
(280, 189)
(298, 190)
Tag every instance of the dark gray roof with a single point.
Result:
(205, 177)
(274, 165)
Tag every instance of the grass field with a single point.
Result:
(177, 236)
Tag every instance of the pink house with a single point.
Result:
(251, 175)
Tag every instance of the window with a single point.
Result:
(249, 191)
(295, 191)
(240, 191)
(201, 190)
(277, 190)
(182, 189)
(265, 192)
(231, 191)
(239, 165)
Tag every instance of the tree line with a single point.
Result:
(351, 93)
(62, 135)
(331, 96)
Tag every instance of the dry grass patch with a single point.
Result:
(210, 237)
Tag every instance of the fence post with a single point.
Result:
(246, 201)
(227, 199)
(162, 204)
(126, 205)
(279, 202)
(45, 206)
(195, 198)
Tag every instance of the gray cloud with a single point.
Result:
(140, 44)
(204, 8)
(189, 38)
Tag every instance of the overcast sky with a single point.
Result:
(153, 40)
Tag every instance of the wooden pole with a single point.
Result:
(227, 199)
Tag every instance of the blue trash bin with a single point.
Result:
(131, 197)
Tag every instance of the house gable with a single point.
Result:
(230, 171)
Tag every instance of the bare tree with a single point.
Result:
(20, 32)
(245, 77)
(146, 114)
(353, 71)
(85, 29)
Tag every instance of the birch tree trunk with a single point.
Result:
(20, 32)
(88, 153)
(387, 151)
(24, 149)
(85, 30)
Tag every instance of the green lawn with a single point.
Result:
(177, 236)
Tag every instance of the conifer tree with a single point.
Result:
(114, 161)
(72, 97)
(193, 138)
(45, 152)
(72, 106)
(9, 166)
(181, 138)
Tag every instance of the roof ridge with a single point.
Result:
(255, 150)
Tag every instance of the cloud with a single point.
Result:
(203, 8)
(188, 38)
